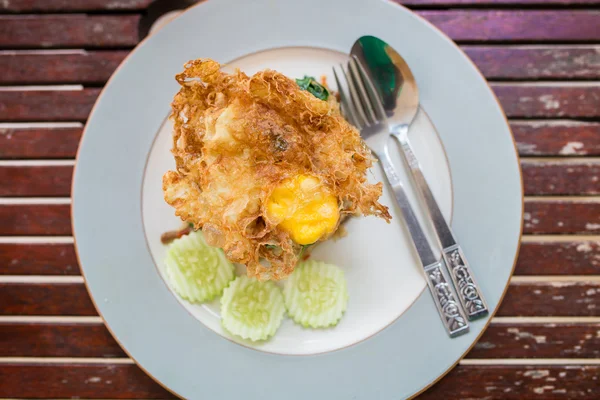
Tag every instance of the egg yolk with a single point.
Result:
(304, 207)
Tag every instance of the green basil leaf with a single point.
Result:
(311, 85)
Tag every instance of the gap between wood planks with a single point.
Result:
(558, 160)
(37, 239)
(559, 279)
(69, 239)
(26, 125)
(76, 124)
(82, 52)
(28, 88)
(497, 6)
(512, 45)
(558, 238)
(509, 44)
(116, 8)
(470, 361)
(35, 200)
(585, 199)
(530, 361)
(36, 163)
(68, 200)
(65, 360)
(45, 319)
(493, 82)
(542, 83)
(526, 159)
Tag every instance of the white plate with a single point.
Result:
(383, 272)
(119, 213)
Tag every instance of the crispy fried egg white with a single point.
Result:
(264, 167)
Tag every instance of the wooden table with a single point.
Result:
(542, 58)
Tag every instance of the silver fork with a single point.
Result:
(362, 107)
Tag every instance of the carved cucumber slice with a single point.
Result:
(197, 272)
(252, 309)
(316, 294)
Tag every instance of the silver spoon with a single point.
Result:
(398, 91)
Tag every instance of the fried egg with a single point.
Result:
(305, 208)
(263, 167)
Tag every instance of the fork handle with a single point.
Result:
(448, 307)
(464, 282)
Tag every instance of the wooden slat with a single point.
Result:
(496, 62)
(560, 177)
(580, 177)
(38, 259)
(534, 138)
(36, 143)
(516, 382)
(57, 340)
(561, 137)
(72, 30)
(542, 257)
(47, 105)
(23, 6)
(30, 6)
(558, 257)
(514, 25)
(89, 381)
(541, 217)
(34, 219)
(518, 100)
(523, 299)
(85, 67)
(531, 299)
(496, 2)
(36, 181)
(536, 62)
(463, 382)
(530, 340)
(501, 340)
(562, 217)
(548, 100)
(45, 299)
(473, 25)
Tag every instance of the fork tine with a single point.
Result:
(373, 93)
(363, 96)
(349, 113)
(354, 96)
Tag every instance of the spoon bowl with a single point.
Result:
(392, 78)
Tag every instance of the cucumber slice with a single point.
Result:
(316, 294)
(252, 309)
(197, 272)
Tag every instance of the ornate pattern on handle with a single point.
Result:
(447, 305)
(409, 155)
(467, 289)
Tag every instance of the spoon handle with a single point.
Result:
(468, 291)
